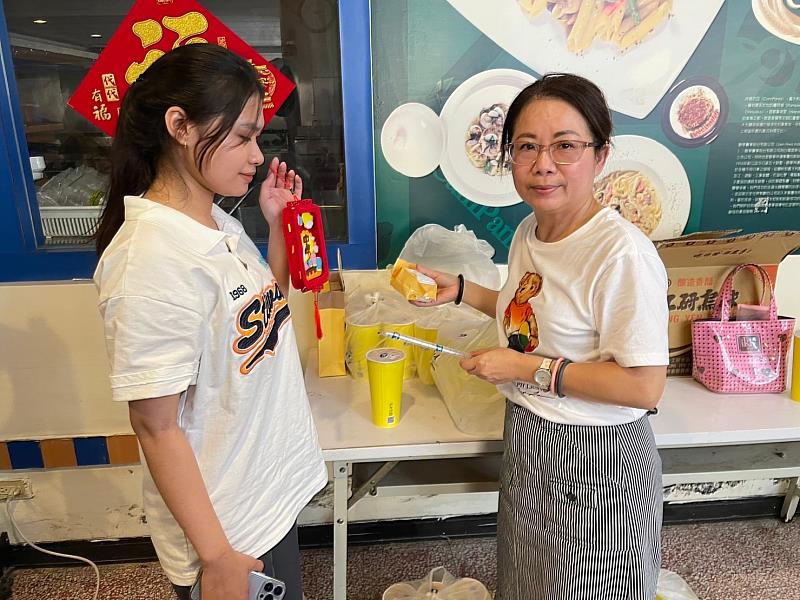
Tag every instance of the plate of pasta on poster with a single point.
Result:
(473, 117)
(647, 184)
(632, 49)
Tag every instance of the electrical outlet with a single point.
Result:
(17, 488)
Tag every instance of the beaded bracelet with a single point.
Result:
(560, 377)
(460, 294)
(554, 372)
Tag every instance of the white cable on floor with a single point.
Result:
(51, 553)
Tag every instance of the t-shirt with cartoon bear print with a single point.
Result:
(599, 294)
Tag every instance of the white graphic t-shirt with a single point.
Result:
(196, 311)
(599, 294)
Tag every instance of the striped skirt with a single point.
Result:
(580, 510)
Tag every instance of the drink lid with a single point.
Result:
(386, 355)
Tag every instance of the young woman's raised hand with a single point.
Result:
(279, 188)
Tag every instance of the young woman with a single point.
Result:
(198, 329)
(585, 316)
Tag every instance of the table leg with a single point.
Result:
(340, 530)
(791, 500)
(369, 486)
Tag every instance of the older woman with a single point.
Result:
(584, 314)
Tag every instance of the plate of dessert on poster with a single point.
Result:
(412, 139)
(695, 110)
(647, 184)
(632, 49)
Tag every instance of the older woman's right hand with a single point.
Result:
(446, 287)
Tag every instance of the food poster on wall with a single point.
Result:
(705, 99)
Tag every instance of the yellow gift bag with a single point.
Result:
(331, 312)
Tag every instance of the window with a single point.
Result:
(54, 42)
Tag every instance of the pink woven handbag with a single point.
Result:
(741, 357)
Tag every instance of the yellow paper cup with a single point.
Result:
(402, 329)
(358, 340)
(423, 357)
(385, 368)
(796, 367)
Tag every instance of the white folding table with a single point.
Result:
(703, 437)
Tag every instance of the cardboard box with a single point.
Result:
(697, 264)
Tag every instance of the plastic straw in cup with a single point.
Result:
(437, 348)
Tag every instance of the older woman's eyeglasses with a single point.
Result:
(564, 152)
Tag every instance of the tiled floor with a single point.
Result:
(744, 560)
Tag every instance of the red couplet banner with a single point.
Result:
(151, 29)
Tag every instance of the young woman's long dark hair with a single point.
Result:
(210, 83)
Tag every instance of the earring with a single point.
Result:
(185, 145)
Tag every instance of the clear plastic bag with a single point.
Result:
(372, 306)
(453, 251)
(78, 186)
(427, 327)
(439, 584)
(671, 586)
(476, 406)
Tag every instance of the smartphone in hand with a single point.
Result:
(260, 587)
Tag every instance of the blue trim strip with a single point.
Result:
(354, 35)
(91, 451)
(25, 455)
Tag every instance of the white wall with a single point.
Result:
(53, 365)
(88, 503)
(788, 287)
(54, 384)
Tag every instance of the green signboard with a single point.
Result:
(705, 99)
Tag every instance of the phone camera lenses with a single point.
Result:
(278, 590)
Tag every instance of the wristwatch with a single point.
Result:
(542, 375)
